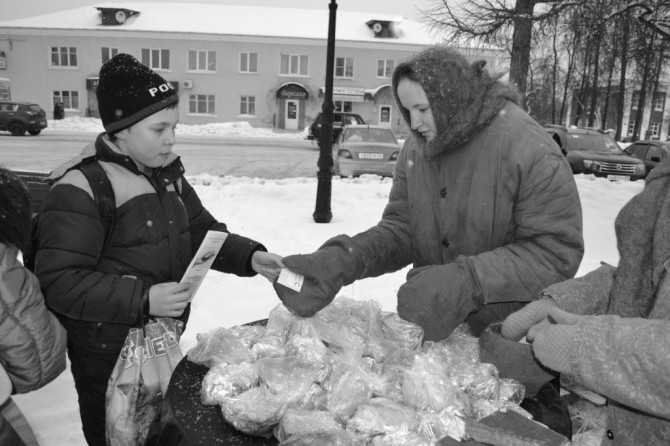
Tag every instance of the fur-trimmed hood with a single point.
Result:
(463, 97)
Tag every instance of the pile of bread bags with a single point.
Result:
(350, 375)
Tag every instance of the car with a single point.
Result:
(340, 119)
(18, 117)
(649, 152)
(592, 151)
(365, 149)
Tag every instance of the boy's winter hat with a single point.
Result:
(128, 92)
(15, 212)
(463, 96)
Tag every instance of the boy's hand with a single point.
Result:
(267, 264)
(169, 299)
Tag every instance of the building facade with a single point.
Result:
(229, 63)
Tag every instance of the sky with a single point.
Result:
(406, 8)
(276, 213)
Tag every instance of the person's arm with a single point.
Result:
(624, 359)
(32, 341)
(342, 260)
(548, 244)
(588, 294)
(71, 237)
(387, 246)
(237, 252)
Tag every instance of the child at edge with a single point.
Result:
(100, 290)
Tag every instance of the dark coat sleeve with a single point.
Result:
(71, 238)
(235, 255)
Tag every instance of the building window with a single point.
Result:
(108, 53)
(201, 60)
(70, 99)
(156, 59)
(635, 100)
(631, 127)
(248, 62)
(343, 106)
(654, 128)
(248, 105)
(659, 102)
(201, 104)
(63, 56)
(385, 67)
(344, 67)
(294, 64)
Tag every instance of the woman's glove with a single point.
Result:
(335, 264)
(438, 298)
(517, 324)
(553, 339)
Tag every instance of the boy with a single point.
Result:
(100, 289)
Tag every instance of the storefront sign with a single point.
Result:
(292, 91)
(4, 89)
(349, 94)
(3, 61)
(349, 91)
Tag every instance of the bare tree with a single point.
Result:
(490, 21)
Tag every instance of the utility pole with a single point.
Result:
(322, 213)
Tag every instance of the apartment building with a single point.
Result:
(263, 65)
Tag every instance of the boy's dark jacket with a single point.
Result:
(160, 222)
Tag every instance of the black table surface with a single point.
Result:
(195, 423)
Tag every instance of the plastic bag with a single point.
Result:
(382, 416)
(140, 379)
(248, 334)
(253, 412)
(287, 379)
(348, 387)
(447, 422)
(227, 380)
(302, 422)
(403, 333)
(426, 387)
(400, 439)
(338, 438)
(219, 346)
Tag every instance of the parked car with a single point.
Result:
(592, 151)
(18, 117)
(362, 149)
(340, 119)
(649, 152)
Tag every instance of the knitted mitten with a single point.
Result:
(335, 264)
(553, 345)
(517, 324)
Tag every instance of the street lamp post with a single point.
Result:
(322, 213)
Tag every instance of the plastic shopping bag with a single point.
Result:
(140, 379)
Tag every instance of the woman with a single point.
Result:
(611, 328)
(483, 204)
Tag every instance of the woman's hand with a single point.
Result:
(267, 264)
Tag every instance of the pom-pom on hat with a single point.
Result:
(128, 92)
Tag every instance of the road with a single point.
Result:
(271, 158)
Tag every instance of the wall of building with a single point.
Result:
(28, 66)
(33, 78)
